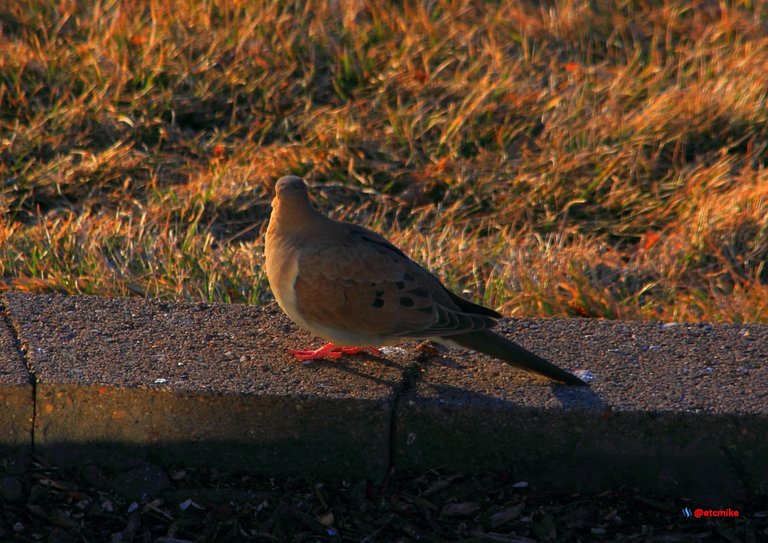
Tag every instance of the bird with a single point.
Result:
(352, 287)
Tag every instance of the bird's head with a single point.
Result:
(290, 190)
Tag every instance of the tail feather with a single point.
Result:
(497, 346)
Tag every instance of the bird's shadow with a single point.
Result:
(571, 398)
(354, 365)
(417, 365)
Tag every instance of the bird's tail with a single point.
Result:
(497, 346)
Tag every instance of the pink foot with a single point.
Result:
(329, 350)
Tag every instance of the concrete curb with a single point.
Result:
(674, 409)
(678, 409)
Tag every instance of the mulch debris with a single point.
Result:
(42, 502)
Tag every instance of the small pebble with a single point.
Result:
(10, 488)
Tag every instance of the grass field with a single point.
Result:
(599, 159)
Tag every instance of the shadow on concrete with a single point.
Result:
(677, 409)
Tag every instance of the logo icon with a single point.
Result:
(687, 512)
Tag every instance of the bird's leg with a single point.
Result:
(329, 350)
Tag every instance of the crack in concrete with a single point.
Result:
(411, 374)
(24, 353)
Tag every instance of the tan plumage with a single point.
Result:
(353, 288)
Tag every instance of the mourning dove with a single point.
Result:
(355, 289)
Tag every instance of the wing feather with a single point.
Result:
(370, 286)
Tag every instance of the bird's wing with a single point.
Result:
(350, 278)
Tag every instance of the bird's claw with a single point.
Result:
(329, 350)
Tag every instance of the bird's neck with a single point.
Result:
(292, 217)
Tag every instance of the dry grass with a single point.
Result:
(602, 159)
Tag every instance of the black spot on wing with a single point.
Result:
(407, 302)
(378, 298)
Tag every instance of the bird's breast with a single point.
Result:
(282, 266)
